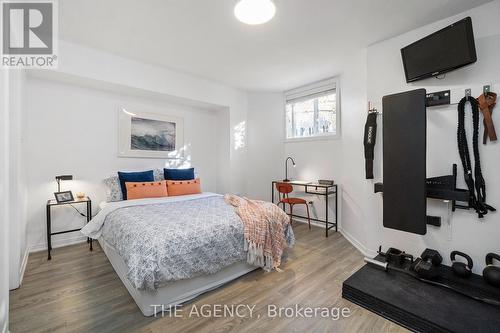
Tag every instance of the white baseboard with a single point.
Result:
(58, 243)
(357, 244)
(24, 263)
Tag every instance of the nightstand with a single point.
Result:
(52, 203)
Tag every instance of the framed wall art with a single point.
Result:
(149, 135)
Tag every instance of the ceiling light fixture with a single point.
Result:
(254, 11)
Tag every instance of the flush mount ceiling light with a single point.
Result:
(254, 11)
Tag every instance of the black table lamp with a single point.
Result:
(62, 177)
(286, 168)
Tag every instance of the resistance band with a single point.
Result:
(475, 184)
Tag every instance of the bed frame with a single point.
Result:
(177, 292)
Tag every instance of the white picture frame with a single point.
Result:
(149, 135)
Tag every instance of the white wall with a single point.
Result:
(17, 179)
(72, 129)
(330, 159)
(369, 75)
(265, 143)
(102, 67)
(317, 159)
(78, 103)
(355, 192)
(385, 76)
(4, 202)
(267, 152)
(252, 162)
(13, 245)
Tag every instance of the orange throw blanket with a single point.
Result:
(265, 225)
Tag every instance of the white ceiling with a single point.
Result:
(305, 42)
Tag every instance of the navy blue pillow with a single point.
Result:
(144, 176)
(179, 174)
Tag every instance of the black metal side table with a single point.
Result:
(52, 203)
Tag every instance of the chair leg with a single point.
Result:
(308, 218)
(291, 214)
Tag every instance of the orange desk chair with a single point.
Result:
(283, 190)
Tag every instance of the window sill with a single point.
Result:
(314, 138)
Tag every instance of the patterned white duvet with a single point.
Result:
(168, 239)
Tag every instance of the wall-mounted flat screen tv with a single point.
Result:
(443, 51)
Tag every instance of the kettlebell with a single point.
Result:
(491, 273)
(459, 268)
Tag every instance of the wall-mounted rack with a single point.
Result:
(438, 98)
(445, 98)
(406, 183)
(443, 188)
(453, 96)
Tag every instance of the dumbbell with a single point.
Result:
(426, 267)
(459, 268)
(491, 273)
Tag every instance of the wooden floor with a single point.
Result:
(78, 291)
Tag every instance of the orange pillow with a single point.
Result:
(183, 187)
(142, 190)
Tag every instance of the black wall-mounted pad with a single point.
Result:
(404, 155)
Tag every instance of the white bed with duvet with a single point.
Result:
(174, 293)
(169, 250)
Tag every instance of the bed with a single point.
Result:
(170, 250)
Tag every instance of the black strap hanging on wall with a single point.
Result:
(369, 142)
(476, 183)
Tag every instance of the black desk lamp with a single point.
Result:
(286, 168)
(63, 177)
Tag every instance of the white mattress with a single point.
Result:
(177, 292)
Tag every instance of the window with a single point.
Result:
(312, 111)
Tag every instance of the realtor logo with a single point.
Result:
(29, 34)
